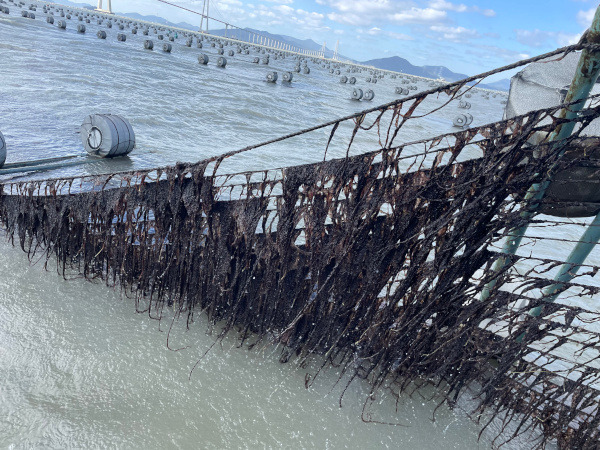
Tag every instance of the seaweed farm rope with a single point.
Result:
(373, 260)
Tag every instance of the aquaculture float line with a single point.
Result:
(374, 260)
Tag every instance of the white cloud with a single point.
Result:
(456, 34)
(585, 17)
(444, 5)
(283, 2)
(539, 38)
(418, 15)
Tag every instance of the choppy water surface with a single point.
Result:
(78, 368)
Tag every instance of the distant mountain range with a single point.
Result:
(397, 64)
(394, 63)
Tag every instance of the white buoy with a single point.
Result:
(107, 135)
(369, 95)
(272, 77)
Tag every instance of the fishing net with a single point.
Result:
(373, 261)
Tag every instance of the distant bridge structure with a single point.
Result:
(108, 10)
(244, 34)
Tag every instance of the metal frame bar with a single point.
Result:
(585, 77)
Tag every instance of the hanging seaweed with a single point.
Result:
(374, 260)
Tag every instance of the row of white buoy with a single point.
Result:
(286, 77)
(358, 94)
(149, 45)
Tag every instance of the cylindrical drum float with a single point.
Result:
(220, 51)
(101, 34)
(369, 95)
(357, 94)
(62, 24)
(287, 77)
(148, 44)
(272, 77)
(167, 47)
(203, 59)
(121, 37)
(344, 79)
(352, 80)
(306, 70)
(107, 135)
(462, 120)
(50, 19)
(221, 62)
(81, 28)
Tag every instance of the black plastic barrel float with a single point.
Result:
(256, 60)
(203, 59)
(374, 80)
(148, 44)
(344, 79)
(160, 37)
(265, 59)
(463, 104)
(62, 24)
(50, 19)
(2, 150)
(134, 31)
(101, 34)
(109, 25)
(230, 53)
(171, 38)
(107, 135)
(145, 32)
(357, 94)
(80, 18)
(24, 13)
(306, 70)
(271, 77)
(81, 28)
(221, 62)
(220, 51)
(167, 47)
(369, 95)
(121, 37)
(287, 77)
(188, 42)
(352, 80)
(121, 27)
(31, 15)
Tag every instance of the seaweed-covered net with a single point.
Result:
(374, 260)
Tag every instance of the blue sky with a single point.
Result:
(469, 36)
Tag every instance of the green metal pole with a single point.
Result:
(586, 75)
(570, 268)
